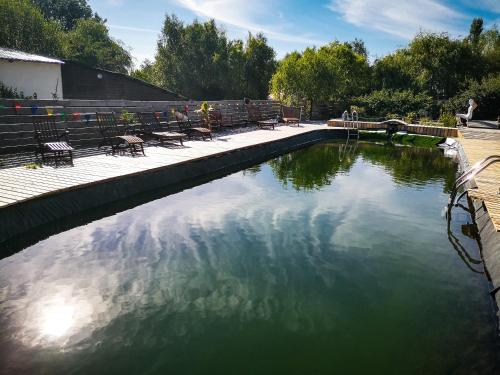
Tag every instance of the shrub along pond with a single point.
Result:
(330, 259)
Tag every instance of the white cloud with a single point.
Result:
(130, 28)
(400, 18)
(249, 16)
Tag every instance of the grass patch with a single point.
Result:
(404, 139)
(373, 135)
(416, 140)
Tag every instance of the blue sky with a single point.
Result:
(384, 25)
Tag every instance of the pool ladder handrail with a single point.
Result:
(473, 171)
(354, 123)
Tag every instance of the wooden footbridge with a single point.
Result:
(395, 125)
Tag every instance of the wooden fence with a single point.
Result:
(78, 116)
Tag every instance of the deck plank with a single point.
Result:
(477, 145)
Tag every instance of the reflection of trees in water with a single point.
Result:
(252, 171)
(316, 166)
(311, 168)
(411, 165)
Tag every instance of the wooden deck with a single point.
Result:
(477, 145)
(20, 184)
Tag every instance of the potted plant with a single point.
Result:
(127, 119)
(204, 112)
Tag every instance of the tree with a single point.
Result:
(286, 83)
(441, 65)
(192, 59)
(394, 72)
(200, 62)
(90, 44)
(236, 76)
(260, 65)
(381, 103)
(358, 46)
(66, 12)
(23, 27)
(485, 92)
(476, 28)
(146, 72)
(489, 46)
(332, 73)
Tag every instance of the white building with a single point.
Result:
(31, 74)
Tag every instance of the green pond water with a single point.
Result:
(333, 259)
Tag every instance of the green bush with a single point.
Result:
(447, 119)
(486, 94)
(425, 121)
(11, 93)
(382, 102)
(411, 117)
(391, 116)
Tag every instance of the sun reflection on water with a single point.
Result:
(57, 319)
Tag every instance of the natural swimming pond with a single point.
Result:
(330, 259)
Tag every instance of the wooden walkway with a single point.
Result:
(478, 144)
(436, 131)
(20, 184)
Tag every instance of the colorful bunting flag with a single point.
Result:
(63, 115)
(186, 109)
(50, 111)
(17, 108)
(76, 116)
(87, 117)
(157, 115)
(165, 114)
(34, 109)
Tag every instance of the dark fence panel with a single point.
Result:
(16, 127)
(82, 82)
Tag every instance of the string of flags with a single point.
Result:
(75, 116)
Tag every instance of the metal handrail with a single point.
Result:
(492, 158)
(474, 170)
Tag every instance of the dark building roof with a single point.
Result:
(13, 55)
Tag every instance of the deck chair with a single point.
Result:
(291, 115)
(255, 117)
(50, 140)
(217, 121)
(186, 127)
(152, 128)
(117, 138)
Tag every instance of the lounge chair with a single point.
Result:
(117, 138)
(186, 127)
(152, 128)
(255, 117)
(291, 115)
(217, 121)
(48, 139)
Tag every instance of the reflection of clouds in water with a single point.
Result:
(235, 248)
